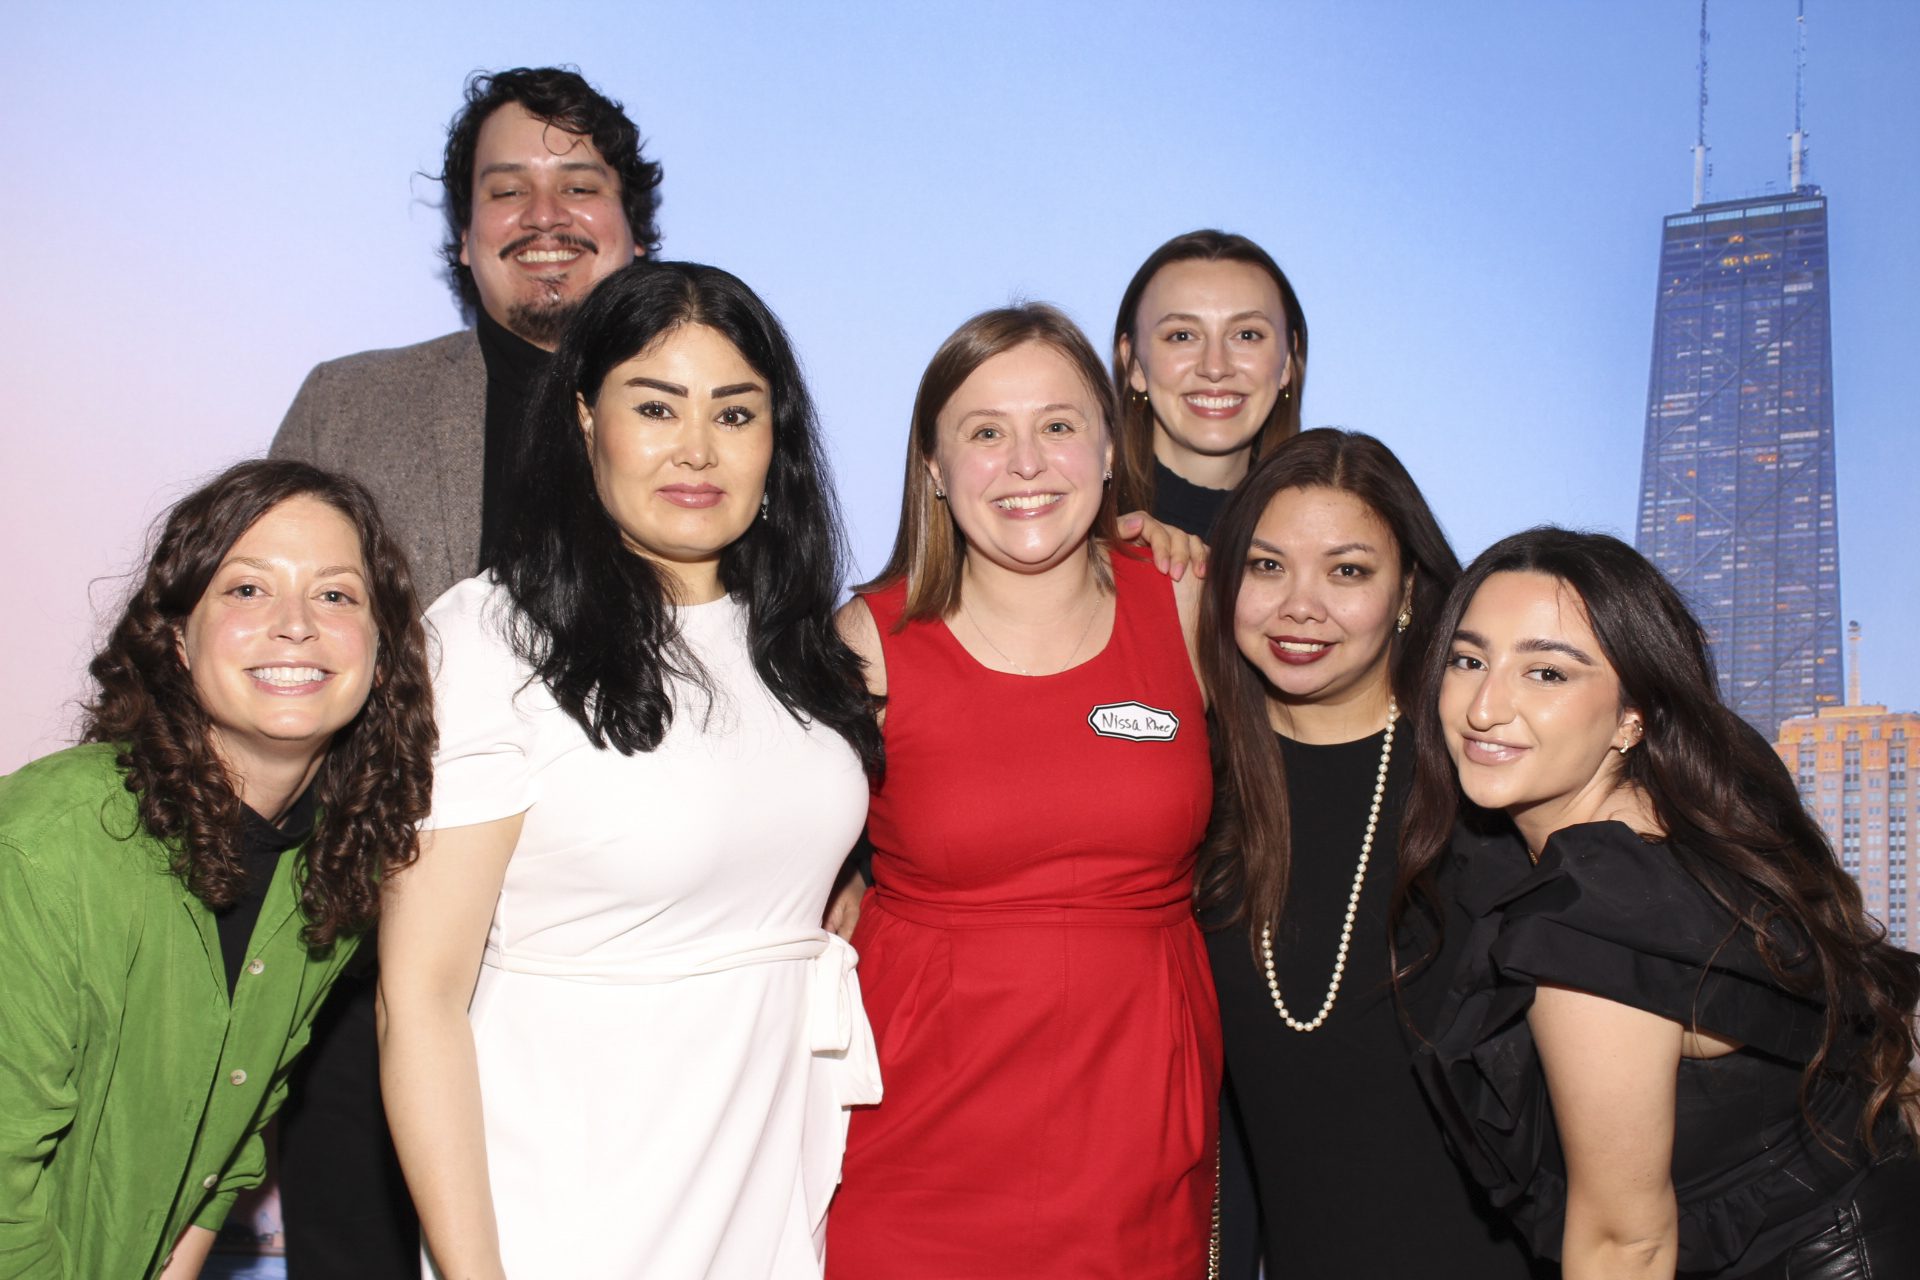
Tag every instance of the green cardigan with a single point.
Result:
(132, 1091)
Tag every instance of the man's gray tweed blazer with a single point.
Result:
(410, 424)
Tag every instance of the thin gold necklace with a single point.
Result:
(1008, 658)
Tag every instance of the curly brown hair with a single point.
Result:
(376, 780)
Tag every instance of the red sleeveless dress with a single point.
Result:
(1048, 1034)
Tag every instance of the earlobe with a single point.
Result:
(585, 414)
(933, 473)
(463, 250)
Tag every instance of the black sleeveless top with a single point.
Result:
(1611, 913)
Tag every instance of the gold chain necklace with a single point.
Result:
(1006, 658)
(1353, 901)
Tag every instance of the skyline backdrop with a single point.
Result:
(207, 200)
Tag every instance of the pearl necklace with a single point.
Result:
(1353, 901)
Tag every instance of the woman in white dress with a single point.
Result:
(615, 1040)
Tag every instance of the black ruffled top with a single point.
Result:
(1609, 912)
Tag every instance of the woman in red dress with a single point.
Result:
(1048, 1034)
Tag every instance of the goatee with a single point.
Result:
(542, 322)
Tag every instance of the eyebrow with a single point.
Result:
(329, 571)
(1578, 654)
(1190, 318)
(1345, 548)
(1002, 413)
(675, 389)
(515, 166)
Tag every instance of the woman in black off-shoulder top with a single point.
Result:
(1675, 1044)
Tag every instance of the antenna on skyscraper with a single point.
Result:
(1797, 155)
(1853, 664)
(1700, 134)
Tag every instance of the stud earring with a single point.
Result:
(939, 493)
(1108, 477)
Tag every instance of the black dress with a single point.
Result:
(1609, 912)
(1354, 1176)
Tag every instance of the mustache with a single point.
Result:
(560, 239)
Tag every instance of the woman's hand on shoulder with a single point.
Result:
(1611, 1073)
(861, 633)
(1174, 550)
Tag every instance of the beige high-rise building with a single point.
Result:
(1851, 764)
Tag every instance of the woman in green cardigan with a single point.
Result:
(178, 893)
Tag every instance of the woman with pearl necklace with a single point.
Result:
(1327, 568)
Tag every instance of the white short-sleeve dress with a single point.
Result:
(667, 1039)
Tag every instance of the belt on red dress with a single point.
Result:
(952, 916)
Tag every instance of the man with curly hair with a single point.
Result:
(546, 193)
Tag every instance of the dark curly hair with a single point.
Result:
(375, 783)
(560, 96)
(1731, 810)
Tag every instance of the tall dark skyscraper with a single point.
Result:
(1737, 498)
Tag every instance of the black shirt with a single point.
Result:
(261, 844)
(1354, 1175)
(1633, 921)
(1185, 505)
(514, 368)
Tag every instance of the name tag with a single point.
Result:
(1134, 721)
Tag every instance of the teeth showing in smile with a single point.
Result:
(288, 676)
(1027, 502)
(533, 257)
(1214, 402)
(1300, 646)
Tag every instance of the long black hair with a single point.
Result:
(1731, 811)
(1247, 860)
(594, 619)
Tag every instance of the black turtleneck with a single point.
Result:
(514, 366)
(1185, 505)
(261, 844)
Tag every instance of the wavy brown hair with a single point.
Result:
(1134, 425)
(1247, 858)
(1731, 811)
(374, 785)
